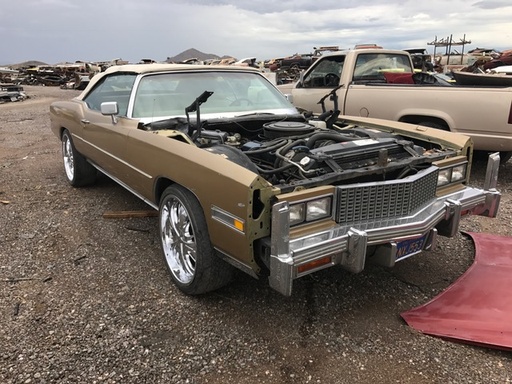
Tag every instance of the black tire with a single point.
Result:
(505, 156)
(186, 247)
(78, 171)
(484, 155)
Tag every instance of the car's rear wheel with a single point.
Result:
(78, 171)
(186, 246)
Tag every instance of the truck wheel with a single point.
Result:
(505, 156)
(481, 155)
(78, 171)
(186, 246)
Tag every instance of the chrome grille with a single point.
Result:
(387, 199)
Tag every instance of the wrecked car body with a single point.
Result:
(242, 179)
(11, 92)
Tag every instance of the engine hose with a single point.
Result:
(275, 170)
(273, 147)
(329, 136)
(282, 151)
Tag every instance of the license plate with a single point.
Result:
(410, 247)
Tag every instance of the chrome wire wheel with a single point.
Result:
(67, 155)
(186, 247)
(178, 240)
(78, 171)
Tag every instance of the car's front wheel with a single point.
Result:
(186, 246)
(78, 171)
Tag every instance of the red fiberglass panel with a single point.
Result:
(477, 308)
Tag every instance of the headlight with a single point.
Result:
(453, 174)
(297, 213)
(459, 173)
(444, 177)
(311, 210)
(318, 209)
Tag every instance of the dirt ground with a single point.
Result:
(85, 299)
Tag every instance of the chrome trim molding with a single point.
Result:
(224, 217)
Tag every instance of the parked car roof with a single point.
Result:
(159, 67)
(163, 67)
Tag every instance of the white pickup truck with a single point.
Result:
(382, 83)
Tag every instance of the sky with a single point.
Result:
(54, 31)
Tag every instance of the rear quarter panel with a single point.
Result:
(66, 114)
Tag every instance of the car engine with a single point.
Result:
(291, 153)
(295, 152)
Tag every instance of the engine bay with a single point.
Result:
(302, 150)
(292, 151)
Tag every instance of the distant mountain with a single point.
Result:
(193, 53)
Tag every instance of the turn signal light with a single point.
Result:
(313, 264)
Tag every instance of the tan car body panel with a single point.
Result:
(482, 113)
(139, 158)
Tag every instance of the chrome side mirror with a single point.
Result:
(110, 108)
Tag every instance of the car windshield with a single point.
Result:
(165, 95)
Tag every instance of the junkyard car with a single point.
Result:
(242, 179)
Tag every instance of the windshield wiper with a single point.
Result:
(194, 107)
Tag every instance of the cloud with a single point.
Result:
(65, 30)
(492, 4)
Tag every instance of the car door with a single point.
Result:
(106, 136)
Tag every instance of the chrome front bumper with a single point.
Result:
(347, 245)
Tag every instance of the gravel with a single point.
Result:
(88, 300)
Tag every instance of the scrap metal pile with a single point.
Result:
(67, 75)
(74, 76)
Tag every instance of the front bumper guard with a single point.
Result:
(347, 245)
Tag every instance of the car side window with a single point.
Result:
(112, 88)
(326, 74)
(371, 66)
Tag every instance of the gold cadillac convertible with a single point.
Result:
(242, 179)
